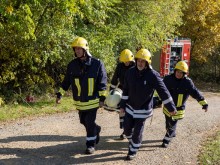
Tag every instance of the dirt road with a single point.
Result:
(60, 139)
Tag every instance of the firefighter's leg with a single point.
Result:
(121, 120)
(87, 118)
(136, 139)
(128, 126)
(170, 130)
(121, 124)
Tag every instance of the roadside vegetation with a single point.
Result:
(210, 153)
(39, 107)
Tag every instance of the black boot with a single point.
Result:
(90, 150)
(122, 136)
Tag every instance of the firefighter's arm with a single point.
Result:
(165, 95)
(102, 84)
(204, 104)
(124, 98)
(64, 86)
(196, 94)
(115, 77)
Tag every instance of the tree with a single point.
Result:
(35, 35)
(202, 24)
(32, 34)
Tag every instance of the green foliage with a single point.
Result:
(32, 35)
(35, 36)
(201, 23)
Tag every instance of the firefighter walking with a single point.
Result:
(180, 88)
(137, 100)
(126, 61)
(87, 77)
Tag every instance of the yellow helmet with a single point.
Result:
(144, 54)
(126, 56)
(182, 65)
(80, 42)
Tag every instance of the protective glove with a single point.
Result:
(101, 104)
(205, 107)
(58, 98)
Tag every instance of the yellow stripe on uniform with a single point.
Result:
(78, 86)
(179, 115)
(203, 102)
(61, 91)
(86, 105)
(90, 86)
(180, 100)
(166, 112)
(103, 93)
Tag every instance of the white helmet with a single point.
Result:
(114, 98)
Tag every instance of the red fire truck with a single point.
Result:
(173, 51)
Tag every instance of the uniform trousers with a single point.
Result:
(87, 118)
(171, 129)
(133, 129)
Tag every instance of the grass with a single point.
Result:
(40, 107)
(210, 153)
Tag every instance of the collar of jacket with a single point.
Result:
(177, 79)
(87, 62)
(140, 73)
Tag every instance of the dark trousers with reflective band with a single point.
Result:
(133, 129)
(121, 121)
(87, 118)
(171, 129)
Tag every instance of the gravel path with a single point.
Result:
(60, 139)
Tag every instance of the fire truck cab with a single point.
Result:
(174, 50)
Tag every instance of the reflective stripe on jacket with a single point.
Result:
(139, 88)
(180, 90)
(88, 82)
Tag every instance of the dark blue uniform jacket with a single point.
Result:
(180, 89)
(88, 81)
(139, 87)
(119, 75)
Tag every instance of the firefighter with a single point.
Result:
(88, 79)
(137, 99)
(180, 87)
(126, 61)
